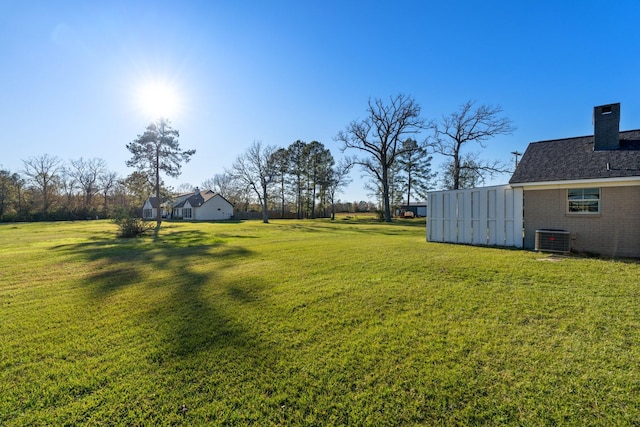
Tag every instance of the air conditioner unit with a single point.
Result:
(553, 241)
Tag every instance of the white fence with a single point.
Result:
(478, 216)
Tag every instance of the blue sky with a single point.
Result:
(277, 71)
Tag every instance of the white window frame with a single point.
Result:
(187, 213)
(584, 201)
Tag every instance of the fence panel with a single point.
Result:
(478, 216)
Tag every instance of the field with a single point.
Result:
(350, 322)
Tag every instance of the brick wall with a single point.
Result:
(613, 232)
(606, 127)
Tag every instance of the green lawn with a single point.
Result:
(309, 323)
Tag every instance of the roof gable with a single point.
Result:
(198, 199)
(222, 197)
(575, 159)
(153, 201)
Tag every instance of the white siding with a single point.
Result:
(214, 209)
(188, 212)
(480, 216)
(147, 206)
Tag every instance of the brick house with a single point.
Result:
(588, 187)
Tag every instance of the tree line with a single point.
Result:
(49, 188)
(305, 178)
(302, 178)
(397, 165)
(378, 143)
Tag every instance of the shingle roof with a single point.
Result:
(196, 199)
(154, 202)
(575, 159)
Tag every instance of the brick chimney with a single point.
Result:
(606, 127)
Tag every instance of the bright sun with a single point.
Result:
(158, 99)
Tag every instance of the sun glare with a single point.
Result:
(158, 99)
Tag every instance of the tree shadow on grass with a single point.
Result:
(397, 227)
(181, 273)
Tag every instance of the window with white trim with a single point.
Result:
(186, 212)
(583, 200)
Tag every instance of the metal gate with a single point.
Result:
(477, 216)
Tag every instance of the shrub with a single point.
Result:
(130, 226)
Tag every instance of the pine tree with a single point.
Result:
(415, 170)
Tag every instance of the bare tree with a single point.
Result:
(107, 181)
(470, 175)
(86, 172)
(208, 184)
(68, 185)
(185, 187)
(338, 179)
(453, 132)
(379, 136)
(237, 192)
(43, 173)
(158, 150)
(221, 183)
(254, 169)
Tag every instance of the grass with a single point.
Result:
(349, 322)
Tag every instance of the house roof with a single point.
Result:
(197, 199)
(575, 159)
(154, 202)
(181, 198)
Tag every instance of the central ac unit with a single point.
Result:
(553, 241)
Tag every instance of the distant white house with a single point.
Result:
(150, 208)
(199, 205)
